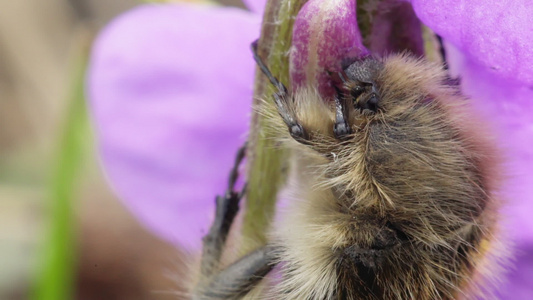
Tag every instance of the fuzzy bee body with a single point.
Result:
(401, 208)
(392, 193)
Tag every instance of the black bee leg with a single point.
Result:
(227, 207)
(442, 51)
(238, 278)
(281, 99)
(241, 276)
(451, 81)
(342, 128)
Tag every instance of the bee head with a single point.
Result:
(357, 84)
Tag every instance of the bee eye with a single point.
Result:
(372, 102)
(356, 92)
(365, 97)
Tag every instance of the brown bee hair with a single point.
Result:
(393, 192)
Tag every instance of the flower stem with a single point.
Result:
(267, 162)
(55, 280)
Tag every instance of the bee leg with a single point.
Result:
(281, 99)
(241, 276)
(238, 278)
(342, 128)
(227, 207)
(442, 51)
(451, 81)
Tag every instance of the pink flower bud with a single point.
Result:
(325, 33)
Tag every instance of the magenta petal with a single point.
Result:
(325, 33)
(257, 6)
(509, 106)
(511, 109)
(519, 283)
(497, 34)
(170, 88)
(395, 28)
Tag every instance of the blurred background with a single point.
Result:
(63, 234)
(57, 213)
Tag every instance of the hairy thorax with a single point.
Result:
(400, 209)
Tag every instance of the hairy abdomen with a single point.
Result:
(416, 235)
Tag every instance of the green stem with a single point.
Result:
(56, 278)
(267, 161)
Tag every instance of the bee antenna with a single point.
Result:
(265, 69)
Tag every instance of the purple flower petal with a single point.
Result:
(395, 28)
(257, 6)
(325, 33)
(170, 88)
(510, 108)
(518, 285)
(497, 34)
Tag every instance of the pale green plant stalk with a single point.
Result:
(267, 163)
(56, 275)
